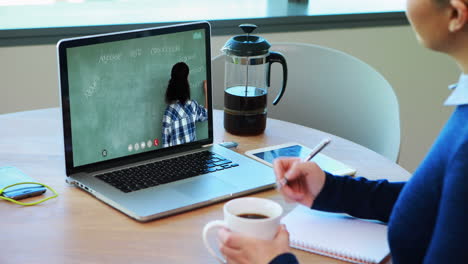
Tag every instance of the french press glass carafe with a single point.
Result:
(247, 79)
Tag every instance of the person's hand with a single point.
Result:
(305, 180)
(241, 249)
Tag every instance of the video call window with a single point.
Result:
(117, 93)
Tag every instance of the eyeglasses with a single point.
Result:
(4, 190)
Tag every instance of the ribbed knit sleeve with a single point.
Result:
(358, 197)
(286, 258)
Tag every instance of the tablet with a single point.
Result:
(268, 154)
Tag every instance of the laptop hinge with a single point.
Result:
(207, 145)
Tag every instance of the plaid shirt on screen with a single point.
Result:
(179, 122)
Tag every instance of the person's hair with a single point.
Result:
(445, 3)
(178, 88)
(442, 2)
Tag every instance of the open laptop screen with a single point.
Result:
(114, 86)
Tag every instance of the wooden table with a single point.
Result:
(77, 228)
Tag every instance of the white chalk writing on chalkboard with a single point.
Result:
(105, 58)
(168, 49)
(187, 58)
(92, 88)
(135, 53)
(197, 69)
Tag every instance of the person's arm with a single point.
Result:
(285, 258)
(309, 185)
(205, 90)
(166, 130)
(358, 197)
(448, 242)
(200, 112)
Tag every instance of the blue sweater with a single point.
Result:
(427, 216)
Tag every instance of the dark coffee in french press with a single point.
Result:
(247, 75)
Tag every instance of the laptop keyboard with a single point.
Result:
(161, 172)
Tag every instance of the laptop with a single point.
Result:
(113, 102)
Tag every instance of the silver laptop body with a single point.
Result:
(112, 97)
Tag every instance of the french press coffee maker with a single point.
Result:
(247, 79)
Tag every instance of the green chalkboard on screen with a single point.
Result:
(117, 90)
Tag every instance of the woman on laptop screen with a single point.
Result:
(181, 114)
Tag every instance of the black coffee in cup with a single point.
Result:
(252, 216)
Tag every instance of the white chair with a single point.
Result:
(331, 91)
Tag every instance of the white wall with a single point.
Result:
(420, 77)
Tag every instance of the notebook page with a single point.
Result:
(337, 235)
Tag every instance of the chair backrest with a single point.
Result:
(331, 91)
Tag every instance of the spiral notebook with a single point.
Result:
(337, 235)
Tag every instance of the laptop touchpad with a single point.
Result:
(206, 187)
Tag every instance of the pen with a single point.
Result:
(315, 151)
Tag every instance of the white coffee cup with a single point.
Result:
(238, 215)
